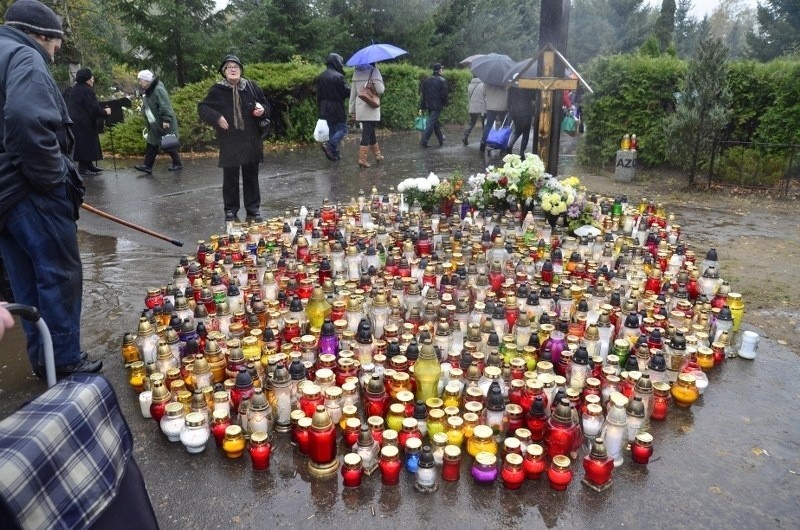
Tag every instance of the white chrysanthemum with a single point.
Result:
(500, 193)
(433, 180)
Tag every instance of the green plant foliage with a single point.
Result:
(780, 122)
(751, 167)
(702, 111)
(632, 94)
(290, 89)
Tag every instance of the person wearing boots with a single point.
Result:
(332, 90)
(233, 107)
(434, 99)
(85, 111)
(368, 116)
(476, 106)
(160, 118)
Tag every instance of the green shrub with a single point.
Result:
(751, 166)
(632, 94)
(290, 89)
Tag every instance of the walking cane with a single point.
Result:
(113, 150)
(123, 222)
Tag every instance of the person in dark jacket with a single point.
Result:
(160, 119)
(332, 90)
(40, 189)
(434, 100)
(520, 108)
(85, 112)
(233, 107)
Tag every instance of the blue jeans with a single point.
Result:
(40, 248)
(432, 127)
(336, 133)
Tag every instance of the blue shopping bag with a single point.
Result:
(498, 136)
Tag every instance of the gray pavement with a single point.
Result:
(731, 461)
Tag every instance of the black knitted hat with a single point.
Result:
(83, 75)
(34, 17)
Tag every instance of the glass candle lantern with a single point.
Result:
(322, 445)
(195, 432)
(172, 421)
(390, 465)
(137, 375)
(661, 399)
(482, 440)
(233, 442)
(512, 474)
(615, 430)
(451, 463)
(597, 467)
(352, 470)
(220, 420)
(534, 462)
(281, 384)
(484, 468)
(301, 434)
(642, 448)
(684, 392)
(260, 449)
(559, 474)
(368, 449)
(426, 472)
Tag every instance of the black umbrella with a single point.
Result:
(525, 69)
(492, 68)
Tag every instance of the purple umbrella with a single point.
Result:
(375, 53)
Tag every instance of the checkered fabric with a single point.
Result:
(63, 455)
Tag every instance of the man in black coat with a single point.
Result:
(40, 190)
(332, 91)
(434, 100)
(85, 111)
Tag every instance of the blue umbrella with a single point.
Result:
(375, 53)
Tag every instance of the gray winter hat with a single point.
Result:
(34, 17)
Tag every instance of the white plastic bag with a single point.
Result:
(321, 131)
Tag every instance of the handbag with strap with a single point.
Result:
(263, 122)
(170, 142)
(368, 94)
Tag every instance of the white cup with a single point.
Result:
(749, 347)
(145, 399)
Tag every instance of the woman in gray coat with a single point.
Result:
(476, 107)
(368, 116)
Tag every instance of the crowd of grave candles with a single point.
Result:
(380, 338)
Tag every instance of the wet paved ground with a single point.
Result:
(732, 460)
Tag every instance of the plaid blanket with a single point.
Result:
(63, 455)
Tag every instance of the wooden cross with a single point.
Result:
(546, 83)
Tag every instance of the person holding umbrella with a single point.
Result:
(434, 100)
(496, 109)
(233, 107)
(476, 106)
(332, 90)
(368, 116)
(85, 111)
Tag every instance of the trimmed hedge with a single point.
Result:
(292, 95)
(633, 94)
